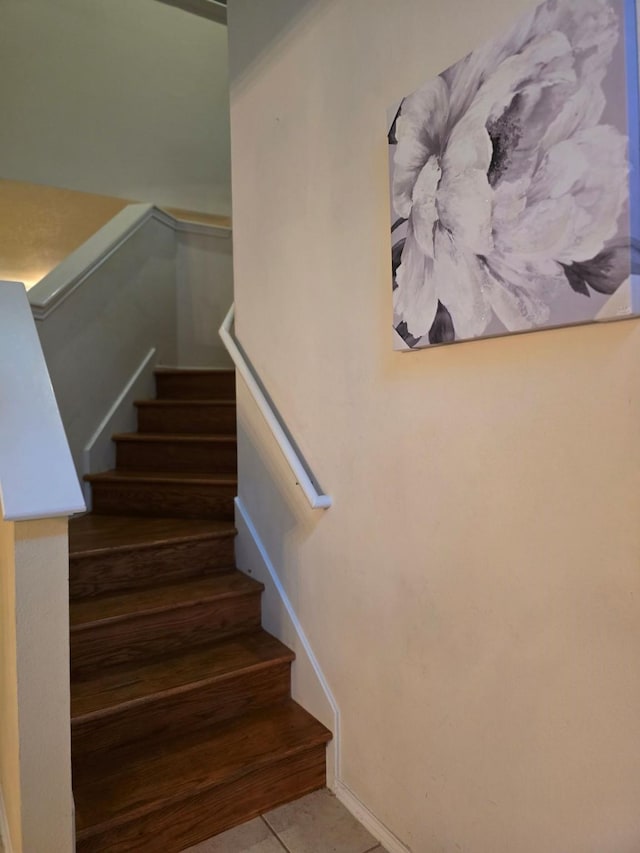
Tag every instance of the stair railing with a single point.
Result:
(317, 499)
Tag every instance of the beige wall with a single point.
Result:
(116, 97)
(35, 757)
(9, 730)
(473, 595)
(41, 225)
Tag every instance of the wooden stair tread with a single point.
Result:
(110, 606)
(168, 477)
(129, 683)
(184, 438)
(175, 403)
(132, 781)
(193, 371)
(91, 534)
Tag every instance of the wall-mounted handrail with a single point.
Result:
(316, 499)
(37, 475)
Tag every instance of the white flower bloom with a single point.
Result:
(506, 176)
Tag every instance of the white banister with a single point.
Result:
(37, 475)
(316, 499)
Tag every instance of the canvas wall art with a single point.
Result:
(512, 181)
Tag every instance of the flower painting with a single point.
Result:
(510, 176)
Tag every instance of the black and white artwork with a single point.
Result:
(511, 181)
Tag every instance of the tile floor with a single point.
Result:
(317, 823)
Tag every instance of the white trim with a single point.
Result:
(389, 841)
(212, 10)
(334, 781)
(203, 229)
(37, 475)
(316, 499)
(60, 283)
(97, 453)
(299, 630)
(46, 296)
(5, 835)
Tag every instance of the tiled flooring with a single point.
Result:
(317, 823)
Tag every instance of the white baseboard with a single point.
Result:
(366, 817)
(99, 452)
(253, 557)
(5, 837)
(280, 618)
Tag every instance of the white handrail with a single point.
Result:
(316, 499)
(37, 476)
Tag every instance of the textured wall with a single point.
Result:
(473, 595)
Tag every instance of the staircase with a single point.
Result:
(182, 720)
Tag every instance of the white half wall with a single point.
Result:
(123, 98)
(97, 338)
(473, 595)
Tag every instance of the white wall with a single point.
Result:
(205, 292)
(117, 97)
(473, 595)
(97, 338)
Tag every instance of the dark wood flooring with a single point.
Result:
(182, 719)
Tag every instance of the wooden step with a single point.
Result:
(138, 624)
(113, 552)
(213, 454)
(180, 384)
(163, 796)
(178, 693)
(165, 494)
(187, 416)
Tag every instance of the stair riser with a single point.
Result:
(171, 828)
(187, 419)
(143, 635)
(194, 457)
(207, 385)
(180, 500)
(192, 708)
(138, 568)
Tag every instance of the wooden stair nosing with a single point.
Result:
(157, 538)
(130, 604)
(181, 453)
(102, 714)
(141, 682)
(162, 477)
(176, 438)
(168, 370)
(190, 417)
(201, 759)
(196, 818)
(170, 403)
(195, 384)
(196, 705)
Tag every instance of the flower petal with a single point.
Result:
(424, 213)
(591, 170)
(420, 130)
(414, 299)
(459, 282)
(514, 300)
(465, 208)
